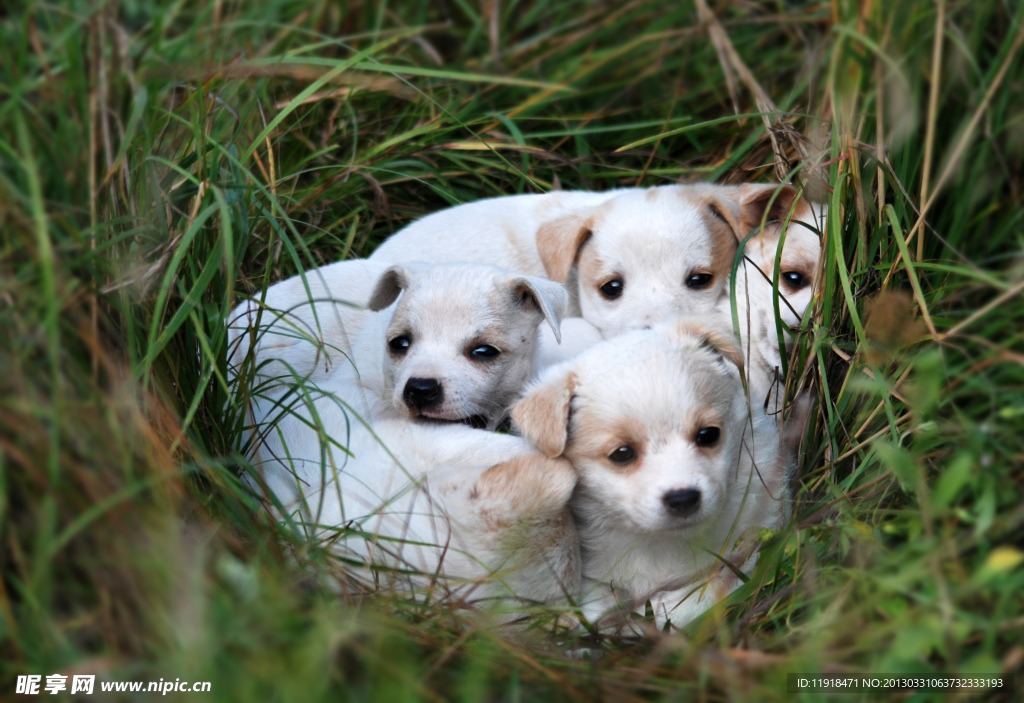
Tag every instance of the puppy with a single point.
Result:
(471, 515)
(453, 343)
(673, 466)
(445, 343)
(629, 258)
(797, 250)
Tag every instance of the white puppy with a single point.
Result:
(629, 258)
(469, 514)
(673, 467)
(774, 252)
(449, 343)
(453, 343)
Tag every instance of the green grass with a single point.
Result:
(158, 162)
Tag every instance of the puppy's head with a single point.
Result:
(461, 340)
(646, 255)
(801, 248)
(653, 422)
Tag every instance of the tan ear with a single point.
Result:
(542, 416)
(724, 207)
(723, 345)
(719, 341)
(390, 284)
(765, 203)
(547, 297)
(559, 242)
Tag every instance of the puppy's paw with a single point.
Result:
(528, 486)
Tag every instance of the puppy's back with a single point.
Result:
(497, 231)
(307, 324)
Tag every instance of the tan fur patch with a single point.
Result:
(589, 267)
(543, 415)
(720, 216)
(558, 243)
(723, 236)
(529, 485)
(717, 341)
(597, 441)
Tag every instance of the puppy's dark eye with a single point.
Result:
(794, 279)
(400, 345)
(484, 351)
(707, 436)
(612, 289)
(623, 455)
(699, 280)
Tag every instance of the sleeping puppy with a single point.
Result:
(470, 515)
(444, 343)
(673, 467)
(757, 306)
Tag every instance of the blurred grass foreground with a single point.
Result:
(160, 161)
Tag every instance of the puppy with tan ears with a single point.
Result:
(462, 514)
(775, 258)
(629, 258)
(673, 467)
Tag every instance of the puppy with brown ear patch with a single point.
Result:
(775, 258)
(673, 467)
(629, 258)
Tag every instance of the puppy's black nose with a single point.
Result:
(682, 502)
(422, 393)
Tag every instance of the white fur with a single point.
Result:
(445, 311)
(577, 335)
(653, 390)
(499, 231)
(656, 238)
(304, 333)
(472, 515)
(758, 305)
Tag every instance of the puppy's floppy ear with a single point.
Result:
(765, 203)
(716, 340)
(723, 205)
(547, 297)
(391, 283)
(559, 241)
(542, 416)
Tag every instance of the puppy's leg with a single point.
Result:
(517, 512)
